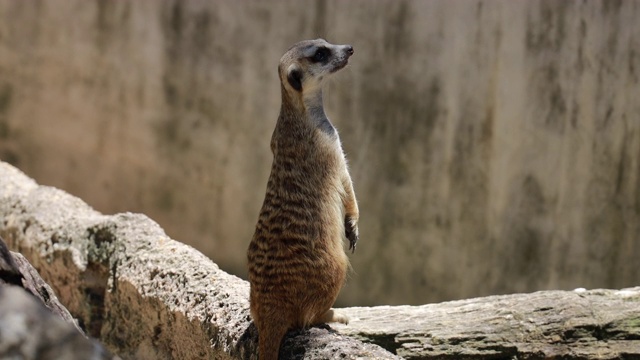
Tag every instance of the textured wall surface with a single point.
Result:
(494, 146)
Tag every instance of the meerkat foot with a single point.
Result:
(333, 316)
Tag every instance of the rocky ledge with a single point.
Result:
(146, 296)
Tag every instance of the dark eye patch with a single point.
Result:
(321, 55)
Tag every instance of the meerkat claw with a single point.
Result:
(351, 232)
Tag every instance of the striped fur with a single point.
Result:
(297, 263)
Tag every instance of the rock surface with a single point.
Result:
(16, 270)
(29, 331)
(142, 294)
(580, 324)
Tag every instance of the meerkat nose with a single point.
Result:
(349, 50)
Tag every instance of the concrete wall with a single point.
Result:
(495, 146)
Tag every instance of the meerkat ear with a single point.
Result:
(294, 76)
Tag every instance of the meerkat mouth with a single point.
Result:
(340, 65)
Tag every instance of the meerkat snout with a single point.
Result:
(348, 51)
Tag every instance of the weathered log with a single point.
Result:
(579, 324)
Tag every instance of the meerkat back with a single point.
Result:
(297, 262)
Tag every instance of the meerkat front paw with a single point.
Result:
(351, 231)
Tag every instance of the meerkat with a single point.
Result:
(297, 263)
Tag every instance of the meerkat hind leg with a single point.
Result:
(332, 316)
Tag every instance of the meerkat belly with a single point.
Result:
(324, 266)
(298, 254)
(326, 273)
(311, 237)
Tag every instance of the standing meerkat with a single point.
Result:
(297, 263)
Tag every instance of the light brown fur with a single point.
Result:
(297, 263)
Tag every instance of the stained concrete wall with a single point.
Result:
(495, 146)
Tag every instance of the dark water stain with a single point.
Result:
(176, 19)
(397, 37)
(636, 197)
(547, 31)
(202, 36)
(10, 156)
(479, 10)
(6, 96)
(606, 232)
(103, 22)
(320, 18)
(404, 119)
(189, 53)
(633, 61)
(169, 129)
(573, 120)
(623, 162)
(402, 112)
(170, 91)
(530, 253)
(613, 40)
(174, 26)
(165, 199)
(111, 20)
(468, 172)
(611, 6)
(525, 255)
(533, 200)
(557, 108)
(581, 62)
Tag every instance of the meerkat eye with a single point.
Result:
(321, 55)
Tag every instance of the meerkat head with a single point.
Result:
(307, 63)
